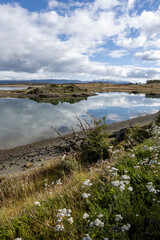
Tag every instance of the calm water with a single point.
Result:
(12, 88)
(24, 121)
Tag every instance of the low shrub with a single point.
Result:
(138, 134)
(69, 165)
(96, 144)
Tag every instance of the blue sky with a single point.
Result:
(86, 40)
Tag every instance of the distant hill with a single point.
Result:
(56, 81)
(59, 81)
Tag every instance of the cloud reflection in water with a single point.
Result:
(24, 121)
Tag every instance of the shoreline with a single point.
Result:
(27, 157)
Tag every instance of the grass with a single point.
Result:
(137, 203)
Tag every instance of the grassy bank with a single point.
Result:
(113, 198)
(64, 91)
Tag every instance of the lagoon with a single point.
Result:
(24, 121)
(12, 88)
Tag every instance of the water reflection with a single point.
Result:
(24, 121)
(12, 88)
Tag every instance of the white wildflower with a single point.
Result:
(150, 183)
(86, 195)
(58, 182)
(100, 215)
(69, 211)
(114, 174)
(118, 217)
(151, 162)
(87, 183)
(126, 227)
(126, 182)
(59, 220)
(91, 224)
(122, 187)
(130, 189)
(113, 169)
(136, 167)
(18, 239)
(125, 177)
(87, 237)
(97, 223)
(115, 183)
(59, 210)
(60, 214)
(153, 190)
(64, 210)
(70, 220)
(144, 148)
(150, 187)
(85, 215)
(59, 228)
(37, 203)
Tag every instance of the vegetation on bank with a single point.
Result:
(58, 89)
(108, 190)
(151, 89)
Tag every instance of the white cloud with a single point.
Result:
(103, 4)
(118, 53)
(147, 28)
(151, 55)
(53, 3)
(131, 4)
(53, 45)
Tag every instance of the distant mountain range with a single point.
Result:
(59, 81)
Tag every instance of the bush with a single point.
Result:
(69, 165)
(95, 146)
(138, 134)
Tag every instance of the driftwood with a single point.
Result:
(72, 143)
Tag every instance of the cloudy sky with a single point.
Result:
(80, 39)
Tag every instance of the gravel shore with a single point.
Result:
(23, 158)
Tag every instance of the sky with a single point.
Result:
(80, 40)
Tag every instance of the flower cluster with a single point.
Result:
(118, 217)
(58, 182)
(87, 237)
(125, 177)
(37, 203)
(97, 223)
(87, 183)
(86, 195)
(120, 184)
(59, 228)
(85, 215)
(150, 188)
(113, 171)
(126, 227)
(61, 213)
